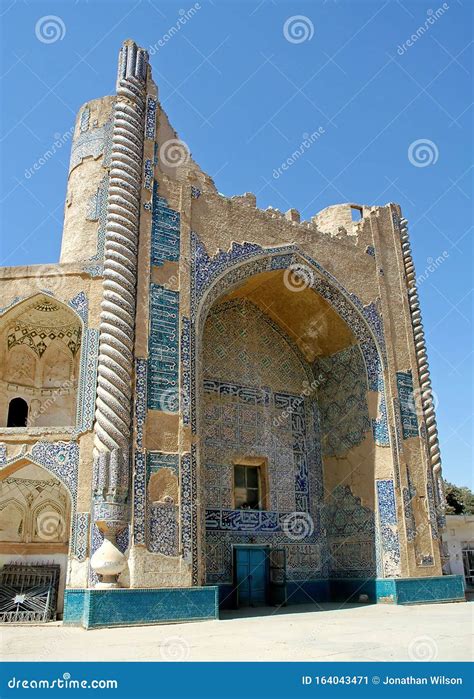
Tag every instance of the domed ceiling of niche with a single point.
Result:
(304, 315)
(39, 321)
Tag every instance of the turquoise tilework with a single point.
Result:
(163, 350)
(165, 231)
(407, 404)
(136, 607)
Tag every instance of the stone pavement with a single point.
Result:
(302, 632)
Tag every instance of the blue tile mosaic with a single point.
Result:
(407, 404)
(165, 231)
(150, 118)
(163, 348)
(90, 143)
(139, 499)
(388, 528)
(148, 174)
(141, 370)
(157, 460)
(80, 540)
(380, 424)
(163, 528)
(342, 400)
(185, 392)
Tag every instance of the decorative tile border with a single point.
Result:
(380, 424)
(163, 345)
(150, 119)
(185, 393)
(80, 541)
(88, 380)
(186, 507)
(139, 498)
(389, 540)
(408, 494)
(165, 230)
(163, 528)
(141, 370)
(407, 404)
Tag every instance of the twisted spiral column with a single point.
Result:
(113, 416)
(422, 359)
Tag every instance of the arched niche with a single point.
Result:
(40, 341)
(35, 518)
(307, 430)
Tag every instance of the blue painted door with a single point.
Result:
(251, 576)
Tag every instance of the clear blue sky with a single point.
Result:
(242, 96)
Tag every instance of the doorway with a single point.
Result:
(251, 576)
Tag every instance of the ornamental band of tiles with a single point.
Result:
(184, 333)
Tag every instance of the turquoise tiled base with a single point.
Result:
(126, 607)
(446, 588)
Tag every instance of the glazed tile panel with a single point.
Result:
(407, 404)
(163, 347)
(165, 230)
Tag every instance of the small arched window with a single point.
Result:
(17, 413)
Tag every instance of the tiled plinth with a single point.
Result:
(137, 607)
(446, 588)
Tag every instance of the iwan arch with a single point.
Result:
(241, 413)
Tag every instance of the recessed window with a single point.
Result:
(247, 487)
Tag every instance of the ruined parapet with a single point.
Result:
(340, 220)
(87, 180)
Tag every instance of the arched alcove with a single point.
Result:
(40, 341)
(284, 391)
(35, 520)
